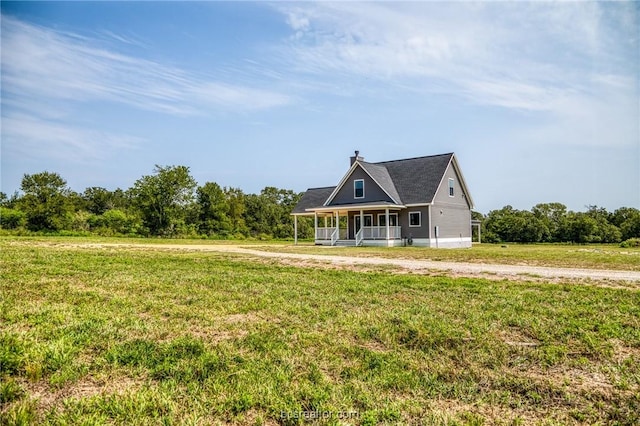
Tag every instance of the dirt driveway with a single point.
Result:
(485, 270)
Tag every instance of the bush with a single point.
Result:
(631, 242)
(12, 218)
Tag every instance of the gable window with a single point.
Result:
(415, 219)
(358, 188)
(451, 185)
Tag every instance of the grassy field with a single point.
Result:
(124, 336)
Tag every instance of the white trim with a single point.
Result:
(355, 207)
(419, 217)
(430, 221)
(382, 243)
(355, 197)
(418, 205)
(463, 184)
(342, 182)
(435, 194)
(455, 242)
(346, 178)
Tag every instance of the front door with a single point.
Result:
(368, 220)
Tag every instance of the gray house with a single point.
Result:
(422, 201)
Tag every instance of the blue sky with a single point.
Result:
(539, 101)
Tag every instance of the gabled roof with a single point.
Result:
(375, 172)
(417, 179)
(380, 174)
(408, 181)
(314, 197)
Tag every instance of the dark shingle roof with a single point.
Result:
(381, 175)
(314, 197)
(408, 181)
(417, 179)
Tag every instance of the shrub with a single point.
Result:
(631, 242)
(12, 218)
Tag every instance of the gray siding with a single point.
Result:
(372, 192)
(415, 232)
(453, 221)
(442, 195)
(451, 214)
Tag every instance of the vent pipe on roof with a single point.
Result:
(356, 158)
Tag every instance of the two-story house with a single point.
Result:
(421, 201)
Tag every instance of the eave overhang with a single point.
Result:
(357, 207)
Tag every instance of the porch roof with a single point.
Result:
(314, 197)
(378, 205)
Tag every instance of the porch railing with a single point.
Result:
(359, 236)
(380, 232)
(328, 234)
(368, 233)
(334, 237)
(324, 233)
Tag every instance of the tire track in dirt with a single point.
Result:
(455, 268)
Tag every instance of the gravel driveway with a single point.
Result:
(486, 270)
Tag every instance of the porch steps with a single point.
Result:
(346, 243)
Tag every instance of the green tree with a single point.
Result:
(98, 200)
(236, 202)
(587, 227)
(627, 219)
(213, 210)
(553, 217)
(45, 201)
(511, 225)
(270, 212)
(163, 198)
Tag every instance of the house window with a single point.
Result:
(415, 219)
(451, 184)
(393, 219)
(358, 188)
(368, 221)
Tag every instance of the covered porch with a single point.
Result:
(357, 225)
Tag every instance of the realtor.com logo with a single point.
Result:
(319, 415)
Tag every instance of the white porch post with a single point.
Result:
(325, 221)
(315, 225)
(338, 223)
(295, 230)
(386, 213)
(361, 223)
(348, 226)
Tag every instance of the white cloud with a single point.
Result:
(520, 56)
(49, 77)
(26, 136)
(42, 63)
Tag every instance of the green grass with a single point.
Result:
(120, 336)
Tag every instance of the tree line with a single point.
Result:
(169, 203)
(553, 223)
(166, 203)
